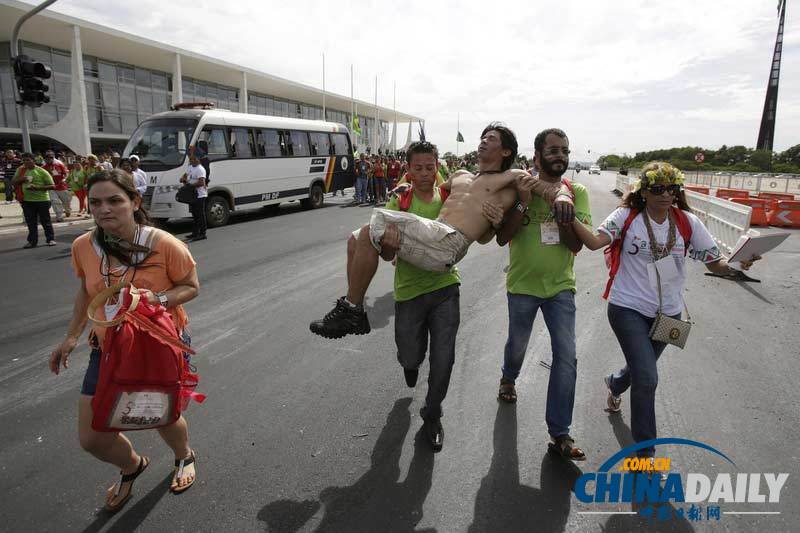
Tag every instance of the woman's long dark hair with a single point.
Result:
(124, 181)
(635, 199)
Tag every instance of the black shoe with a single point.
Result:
(30, 245)
(411, 375)
(199, 238)
(434, 433)
(344, 319)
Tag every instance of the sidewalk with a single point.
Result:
(13, 221)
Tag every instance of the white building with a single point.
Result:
(106, 81)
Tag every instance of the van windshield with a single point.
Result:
(161, 143)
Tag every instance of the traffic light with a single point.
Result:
(29, 75)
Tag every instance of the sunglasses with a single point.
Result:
(659, 189)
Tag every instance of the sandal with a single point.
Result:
(565, 447)
(507, 392)
(126, 478)
(180, 464)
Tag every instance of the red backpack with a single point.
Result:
(613, 252)
(145, 382)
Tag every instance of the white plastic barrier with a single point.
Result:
(726, 220)
(624, 184)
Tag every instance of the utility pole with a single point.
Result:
(22, 112)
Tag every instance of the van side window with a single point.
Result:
(286, 143)
(300, 143)
(242, 144)
(212, 141)
(341, 146)
(269, 144)
(320, 143)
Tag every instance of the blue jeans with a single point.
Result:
(641, 373)
(9, 189)
(559, 316)
(361, 189)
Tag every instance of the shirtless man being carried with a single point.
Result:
(472, 212)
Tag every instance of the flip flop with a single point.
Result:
(144, 462)
(507, 392)
(179, 466)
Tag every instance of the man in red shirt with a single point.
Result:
(394, 172)
(10, 164)
(60, 197)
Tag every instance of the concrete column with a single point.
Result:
(177, 80)
(243, 94)
(73, 129)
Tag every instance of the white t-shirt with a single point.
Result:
(195, 173)
(140, 179)
(632, 287)
(107, 166)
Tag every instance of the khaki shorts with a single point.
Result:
(426, 244)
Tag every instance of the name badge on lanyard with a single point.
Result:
(549, 232)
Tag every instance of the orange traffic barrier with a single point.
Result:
(698, 188)
(759, 205)
(775, 197)
(785, 213)
(728, 194)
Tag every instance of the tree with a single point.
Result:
(761, 159)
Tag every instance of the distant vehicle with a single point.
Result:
(253, 160)
(594, 169)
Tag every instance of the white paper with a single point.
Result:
(137, 410)
(754, 244)
(667, 268)
(550, 233)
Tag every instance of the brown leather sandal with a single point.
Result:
(507, 392)
(564, 446)
(127, 478)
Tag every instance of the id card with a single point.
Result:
(550, 233)
(667, 270)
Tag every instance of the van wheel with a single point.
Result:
(315, 198)
(217, 211)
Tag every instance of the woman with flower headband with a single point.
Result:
(653, 223)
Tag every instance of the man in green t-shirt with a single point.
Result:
(541, 276)
(426, 303)
(35, 182)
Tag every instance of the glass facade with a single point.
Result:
(121, 96)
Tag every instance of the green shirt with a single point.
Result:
(544, 270)
(40, 177)
(410, 281)
(76, 179)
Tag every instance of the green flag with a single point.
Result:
(459, 138)
(356, 127)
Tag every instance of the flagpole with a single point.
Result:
(324, 115)
(458, 130)
(394, 107)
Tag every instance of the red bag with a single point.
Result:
(145, 382)
(613, 252)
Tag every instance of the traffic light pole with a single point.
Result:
(22, 110)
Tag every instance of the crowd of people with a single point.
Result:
(41, 183)
(428, 223)
(427, 229)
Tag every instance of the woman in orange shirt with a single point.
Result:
(125, 247)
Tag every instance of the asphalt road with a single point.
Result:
(301, 433)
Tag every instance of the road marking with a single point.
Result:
(607, 512)
(751, 512)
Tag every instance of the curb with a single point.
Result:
(14, 229)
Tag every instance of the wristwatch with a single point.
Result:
(162, 298)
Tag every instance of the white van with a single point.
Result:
(252, 160)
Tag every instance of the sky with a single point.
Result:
(618, 77)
